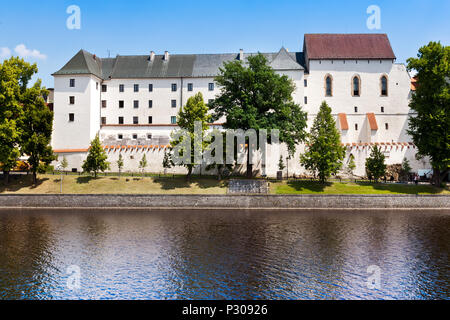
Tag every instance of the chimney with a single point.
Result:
(152, 56)
(94, 56)
(166, 55)
(241, 54)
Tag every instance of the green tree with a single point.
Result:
(36, 128)
(429, 125)
(351, 166)
(324, 153)
(281, 165)
(375, 166)
(96, 158)
(167, 161)
(143, 164)
(194, 110)
(120, 163)
(406, 169)
(64, 163)
(256, 97)
(15, 74)
(221, 167)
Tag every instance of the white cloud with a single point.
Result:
(24, 52)
(5, 52)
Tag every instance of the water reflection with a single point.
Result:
(224, 255)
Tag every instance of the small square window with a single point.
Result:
(386, 126)
(150, 120)
(121, 88)
(305, 83)
(149, 136)
(71, 117)
(150, 87)
(136, 104)
(71, 100)
(72, 83)
(306, 100)
(174, 87)
(136, 88)
(382, 109)
(134, 136)
(104, 88)
(120, 120)
(103, 103)
(135, 120)
(150, 104)
(211, 86)
(121, 104)
(356, 126)
(103, 120)
(120, 136)
(190, 87)
(356, 109)
(74, 170)
(174, 103)
(173, 120)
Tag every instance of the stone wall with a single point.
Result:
(226, 201)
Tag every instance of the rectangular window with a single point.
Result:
(135, 120)
(104, 88)
(173, 119)
(149, 136)
(211, 86)
(150, 87)
(136, 88)
(305, 83)
(174, 103)
(382, 109)
(120, 120)
(356, 109)
(120, 136)
(136, 104)
(134, 136)
(72, 83)
(121, 104)
(103, 103)
(71, 117)
(190, 87)
(306, 100)
(150, 120)
(174, 87)
(96, 86)
(386, 125)
(150, 104)
(103, 120)
(356, 126)
(121, 88)
(71, 100)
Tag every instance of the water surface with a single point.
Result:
(224, 254)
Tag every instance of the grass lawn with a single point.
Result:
(48, 183)
(313, 187)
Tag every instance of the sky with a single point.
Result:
(38, 32)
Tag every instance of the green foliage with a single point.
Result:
(120, 163)
(96, 158)
(222, 168)
(281, 165)
(194, 110)
(256, 97)
(375, 166)
(406, 169)
(64, 163)
(351, 166)
(324, 153)
(167, 160)
(429, 126)
(143, 163)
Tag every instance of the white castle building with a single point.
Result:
(132, 101)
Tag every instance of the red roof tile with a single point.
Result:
(348, 46)
(343, 121)
(372, 121)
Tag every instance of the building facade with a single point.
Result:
(132, 101)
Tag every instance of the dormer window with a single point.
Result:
(72, 83)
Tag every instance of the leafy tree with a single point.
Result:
(324, 152)
(406, 169)
(143, 164)
(96, 158)
(351, 166)
(120, 163)
(15, 74)
(167, 161)
(36, 127)
(64, 163)
(194, 110)
(375, 167)
(281, 165)
(429, 125)
(256, 97)
(222, 167)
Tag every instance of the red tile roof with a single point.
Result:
(348, 46)
(343, 121)
(372, 121)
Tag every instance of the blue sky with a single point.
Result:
(37, 29)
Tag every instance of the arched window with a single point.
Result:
(328, 86)
(356, 84)
(384, 86)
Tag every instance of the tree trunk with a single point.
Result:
(34, 178)
(249, 166)
(188, 177)
(6, 175)
(438, 177)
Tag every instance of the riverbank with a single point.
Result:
(206, 202)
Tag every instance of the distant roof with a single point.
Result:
(348, 46)
(178, 65)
